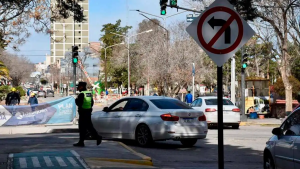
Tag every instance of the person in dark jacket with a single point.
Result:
(33, 101)
(12, 98)
(85, 103)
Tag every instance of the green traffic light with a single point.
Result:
(163, 12)
(244, 65)
(173, 3)
(75, 60)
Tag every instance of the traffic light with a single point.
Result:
(244, 62)
(173, 3)
(163, 7)
(75, 54)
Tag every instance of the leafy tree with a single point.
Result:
(110, 39)
(279, 86)
(3, 69)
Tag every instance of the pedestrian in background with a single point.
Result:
(85, 103)
(12, 98)
(33, 101)
(189, 98)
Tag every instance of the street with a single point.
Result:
(243, 148)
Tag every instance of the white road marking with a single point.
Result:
(72, 161)
(61, 162)
(48, 161)
(35, 162)
(23, 163)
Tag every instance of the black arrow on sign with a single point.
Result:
(220, 22)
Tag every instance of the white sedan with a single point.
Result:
(150, 118)
(209, 105)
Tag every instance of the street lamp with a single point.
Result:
(128, 38)
(105, 62)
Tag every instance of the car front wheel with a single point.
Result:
(143, 135)
(189, 142)
(269, 162)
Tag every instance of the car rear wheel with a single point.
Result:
(236, 126)
(143, 135)
(268, 162)
(189, 142)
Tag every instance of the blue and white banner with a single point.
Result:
(58, 111)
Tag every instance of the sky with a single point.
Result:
(101, 12)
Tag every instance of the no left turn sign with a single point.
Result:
(220, 31)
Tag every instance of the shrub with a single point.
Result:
(4, 90)
(21, 90)
(279, 87)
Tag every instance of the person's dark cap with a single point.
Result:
(82, 84)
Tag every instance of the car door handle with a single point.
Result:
(117, 116)
(138, 115)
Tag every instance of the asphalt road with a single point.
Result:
(243, 150)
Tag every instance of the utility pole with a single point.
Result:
(232, 90)
(193, 87)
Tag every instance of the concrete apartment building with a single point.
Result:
(62, 38)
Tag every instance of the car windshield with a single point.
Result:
(169, 104)
(215, 102)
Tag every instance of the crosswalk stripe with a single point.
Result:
(61, 162)
(72, 161)
(48, 161)
(35, 162)
(23, 163)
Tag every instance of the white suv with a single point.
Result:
(283, 149)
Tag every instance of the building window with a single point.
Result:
(95, 65)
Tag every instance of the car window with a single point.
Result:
(292, 125)
(169, 104)
(136, 105)
(119, 106)
(194, 103)
(199, 103)
(215, 102)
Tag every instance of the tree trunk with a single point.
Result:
(288, 90)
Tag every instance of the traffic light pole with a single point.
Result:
(244, 117)
(74, 64)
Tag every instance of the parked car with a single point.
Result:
(283, 148)
(149, 118)
(42, 93)
(50, 93)
(209, 105)
(34, 90)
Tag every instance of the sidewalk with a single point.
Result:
(263, 122)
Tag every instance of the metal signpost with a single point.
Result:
(220, 31)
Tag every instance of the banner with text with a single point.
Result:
(58, 111)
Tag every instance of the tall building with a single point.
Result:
(62, 38)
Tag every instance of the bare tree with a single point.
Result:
(19, 67)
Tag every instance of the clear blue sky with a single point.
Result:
(101, 12)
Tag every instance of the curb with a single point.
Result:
(261, 124)
(144, 157)
(137, 162)
(146, 160)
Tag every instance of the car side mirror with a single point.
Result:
(277, 131)
(105, 109)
